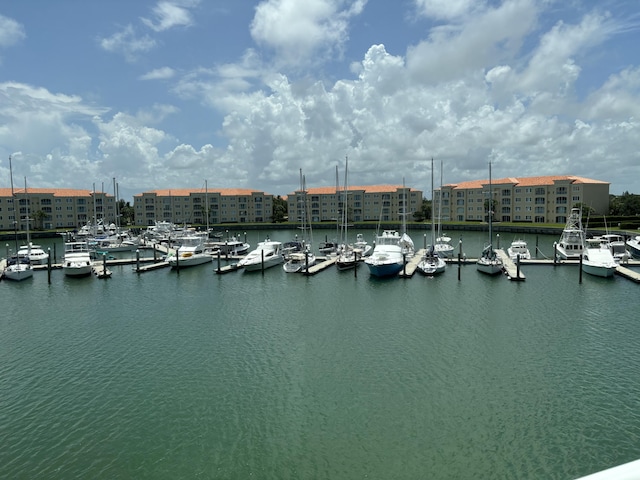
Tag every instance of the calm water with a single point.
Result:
(198, 375)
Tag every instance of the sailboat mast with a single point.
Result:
(13, 199)
(490, 208)
(206, 204)
(115, 194)
(26, 204)
(433, 233)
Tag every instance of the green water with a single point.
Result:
(276, 376)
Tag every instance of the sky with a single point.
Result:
(246, 94)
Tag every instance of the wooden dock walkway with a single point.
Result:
(625, 272)
(150, 267)
(509, 266)
(100, 270)
(228, 268)
(410, 267)
(324, 264)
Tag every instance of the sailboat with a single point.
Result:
(302, 258)
(431, 263)
(348, 256)
(18, 266)
(442, 245)
(489, 262)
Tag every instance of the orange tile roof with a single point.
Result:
(366, 189)
(185, 192)
(524, 181)
(56, 192)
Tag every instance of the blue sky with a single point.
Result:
(173, 93)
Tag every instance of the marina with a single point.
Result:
(332, 375)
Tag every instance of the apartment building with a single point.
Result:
(226, 205)
(546, 199)
(384, 203)
(54, 208)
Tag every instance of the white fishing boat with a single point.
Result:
(519, 248)
(362, 245)
(617, 245)
(77, 259)
(489, 262)
(597, 259)
(387, 258)
(431, 263)
(36, 254)
(232, 246)
(633, 243)
(571, 242)
(190, 253)
(391, 251)
(267, 254)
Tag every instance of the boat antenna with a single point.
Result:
(13, 200)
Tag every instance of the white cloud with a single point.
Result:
(170, 14)
(303, 33)
(51, 129)
(447, 9)
(11, 32)
(453, 50)
(128, 43)
(163, 73)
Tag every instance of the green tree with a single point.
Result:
(626, 204)
(126, 213)
(424, 212)
(39, 217)
(280, 209)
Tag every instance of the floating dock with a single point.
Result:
(153, 266)
(509, 267)
(324, 264)
(228, 268)
(100, 270)
(409, 268)
(628, 273)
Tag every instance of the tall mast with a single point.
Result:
(115, 194)
(433, 233)
(13, 200)
(26, 205)
(490, 207)
(206, 204)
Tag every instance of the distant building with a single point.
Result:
(226, 205)
(54, 208)
(386, 203)
(534, 199)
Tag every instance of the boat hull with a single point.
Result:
(598, 270)
(254, 265)
(431, 267)
(192, 261)
(298, 263)
(384, 269)
(77, 270)
(17, 273)
(489, 267)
